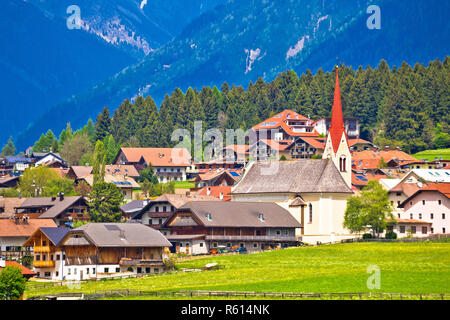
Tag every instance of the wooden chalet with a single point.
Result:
(102, 249)
(199, 227)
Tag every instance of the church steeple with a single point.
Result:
(337, 147)
(337, 119)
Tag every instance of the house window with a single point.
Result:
(443, 216)
(431, 216)
(139, 270)
(392, 203)
(87, 270)
(243, 246)
(423, 202)
(402, 229)
(68, 271)
(342, 164)
(413, 229)
(201, 244)
(57, 273)
(439, 202)
(156, 209)
(156, 270)
(398, 203)
(215, 244)
(160, 221)
(117, 269)
(424, 230)
(147, 270)
(57, 257)
(38, 258)
(255, 245)
(93, 270)
(431, 230)
(410, 203)
(228, 245)
(443, 230)
(48, 274)
(420, 216)
(278, 232)
(310, 213)
(411, 216)
(106, 270)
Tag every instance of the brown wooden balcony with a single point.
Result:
(139, 262)
(251, 238)
(41, 249)
(44, 264)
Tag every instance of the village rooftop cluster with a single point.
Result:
(233, 207)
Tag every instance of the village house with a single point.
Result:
(8, 181)
(7, 206)
(425, 212)
(96, 250)
(125, 184)
(216, 178)
(14, 232)
(48, 255)
(198, 227)
(157, 211)
(132, 208)
(351, 126)
(170, 164)
(79, 172)
(285, 125)
(315, 192)
(63, 210)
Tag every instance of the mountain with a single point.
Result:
(135, 26)
(239, 41)
(42, 62)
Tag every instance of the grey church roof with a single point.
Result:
(300, 176)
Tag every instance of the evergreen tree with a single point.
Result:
(9, 149)
(103, 125)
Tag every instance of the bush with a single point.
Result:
(391, 235)
(367, 236)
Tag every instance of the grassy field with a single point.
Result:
(340, 268)
(184, 185)
(430, 155)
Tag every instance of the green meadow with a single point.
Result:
(340, 268)
(431, 155)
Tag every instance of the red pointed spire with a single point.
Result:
(337, 118)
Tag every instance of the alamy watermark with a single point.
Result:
(374, 21)
(74, 20)
(374, 280)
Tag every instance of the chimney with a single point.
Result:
(208, 191)
(61, 196)
(122, 234)
(221, 196)
(386, 148)
(25, 219)
(16, 220)
(53, 198)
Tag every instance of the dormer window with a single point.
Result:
(208, 216)
(261, 217)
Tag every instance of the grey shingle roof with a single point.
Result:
(55, 234)
(122, 235)
(300, 176)
(56, 206)
(241, 214)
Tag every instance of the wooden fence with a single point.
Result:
(103, 294)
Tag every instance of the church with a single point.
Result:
(315, 192)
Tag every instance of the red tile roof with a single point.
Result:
(278, 121)
(8, 227)
(443, 188)
(159, 157)
(370, 159)
(412, 221)
(216, 191)
(352, 142)
(407, 188)
(25, 271)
